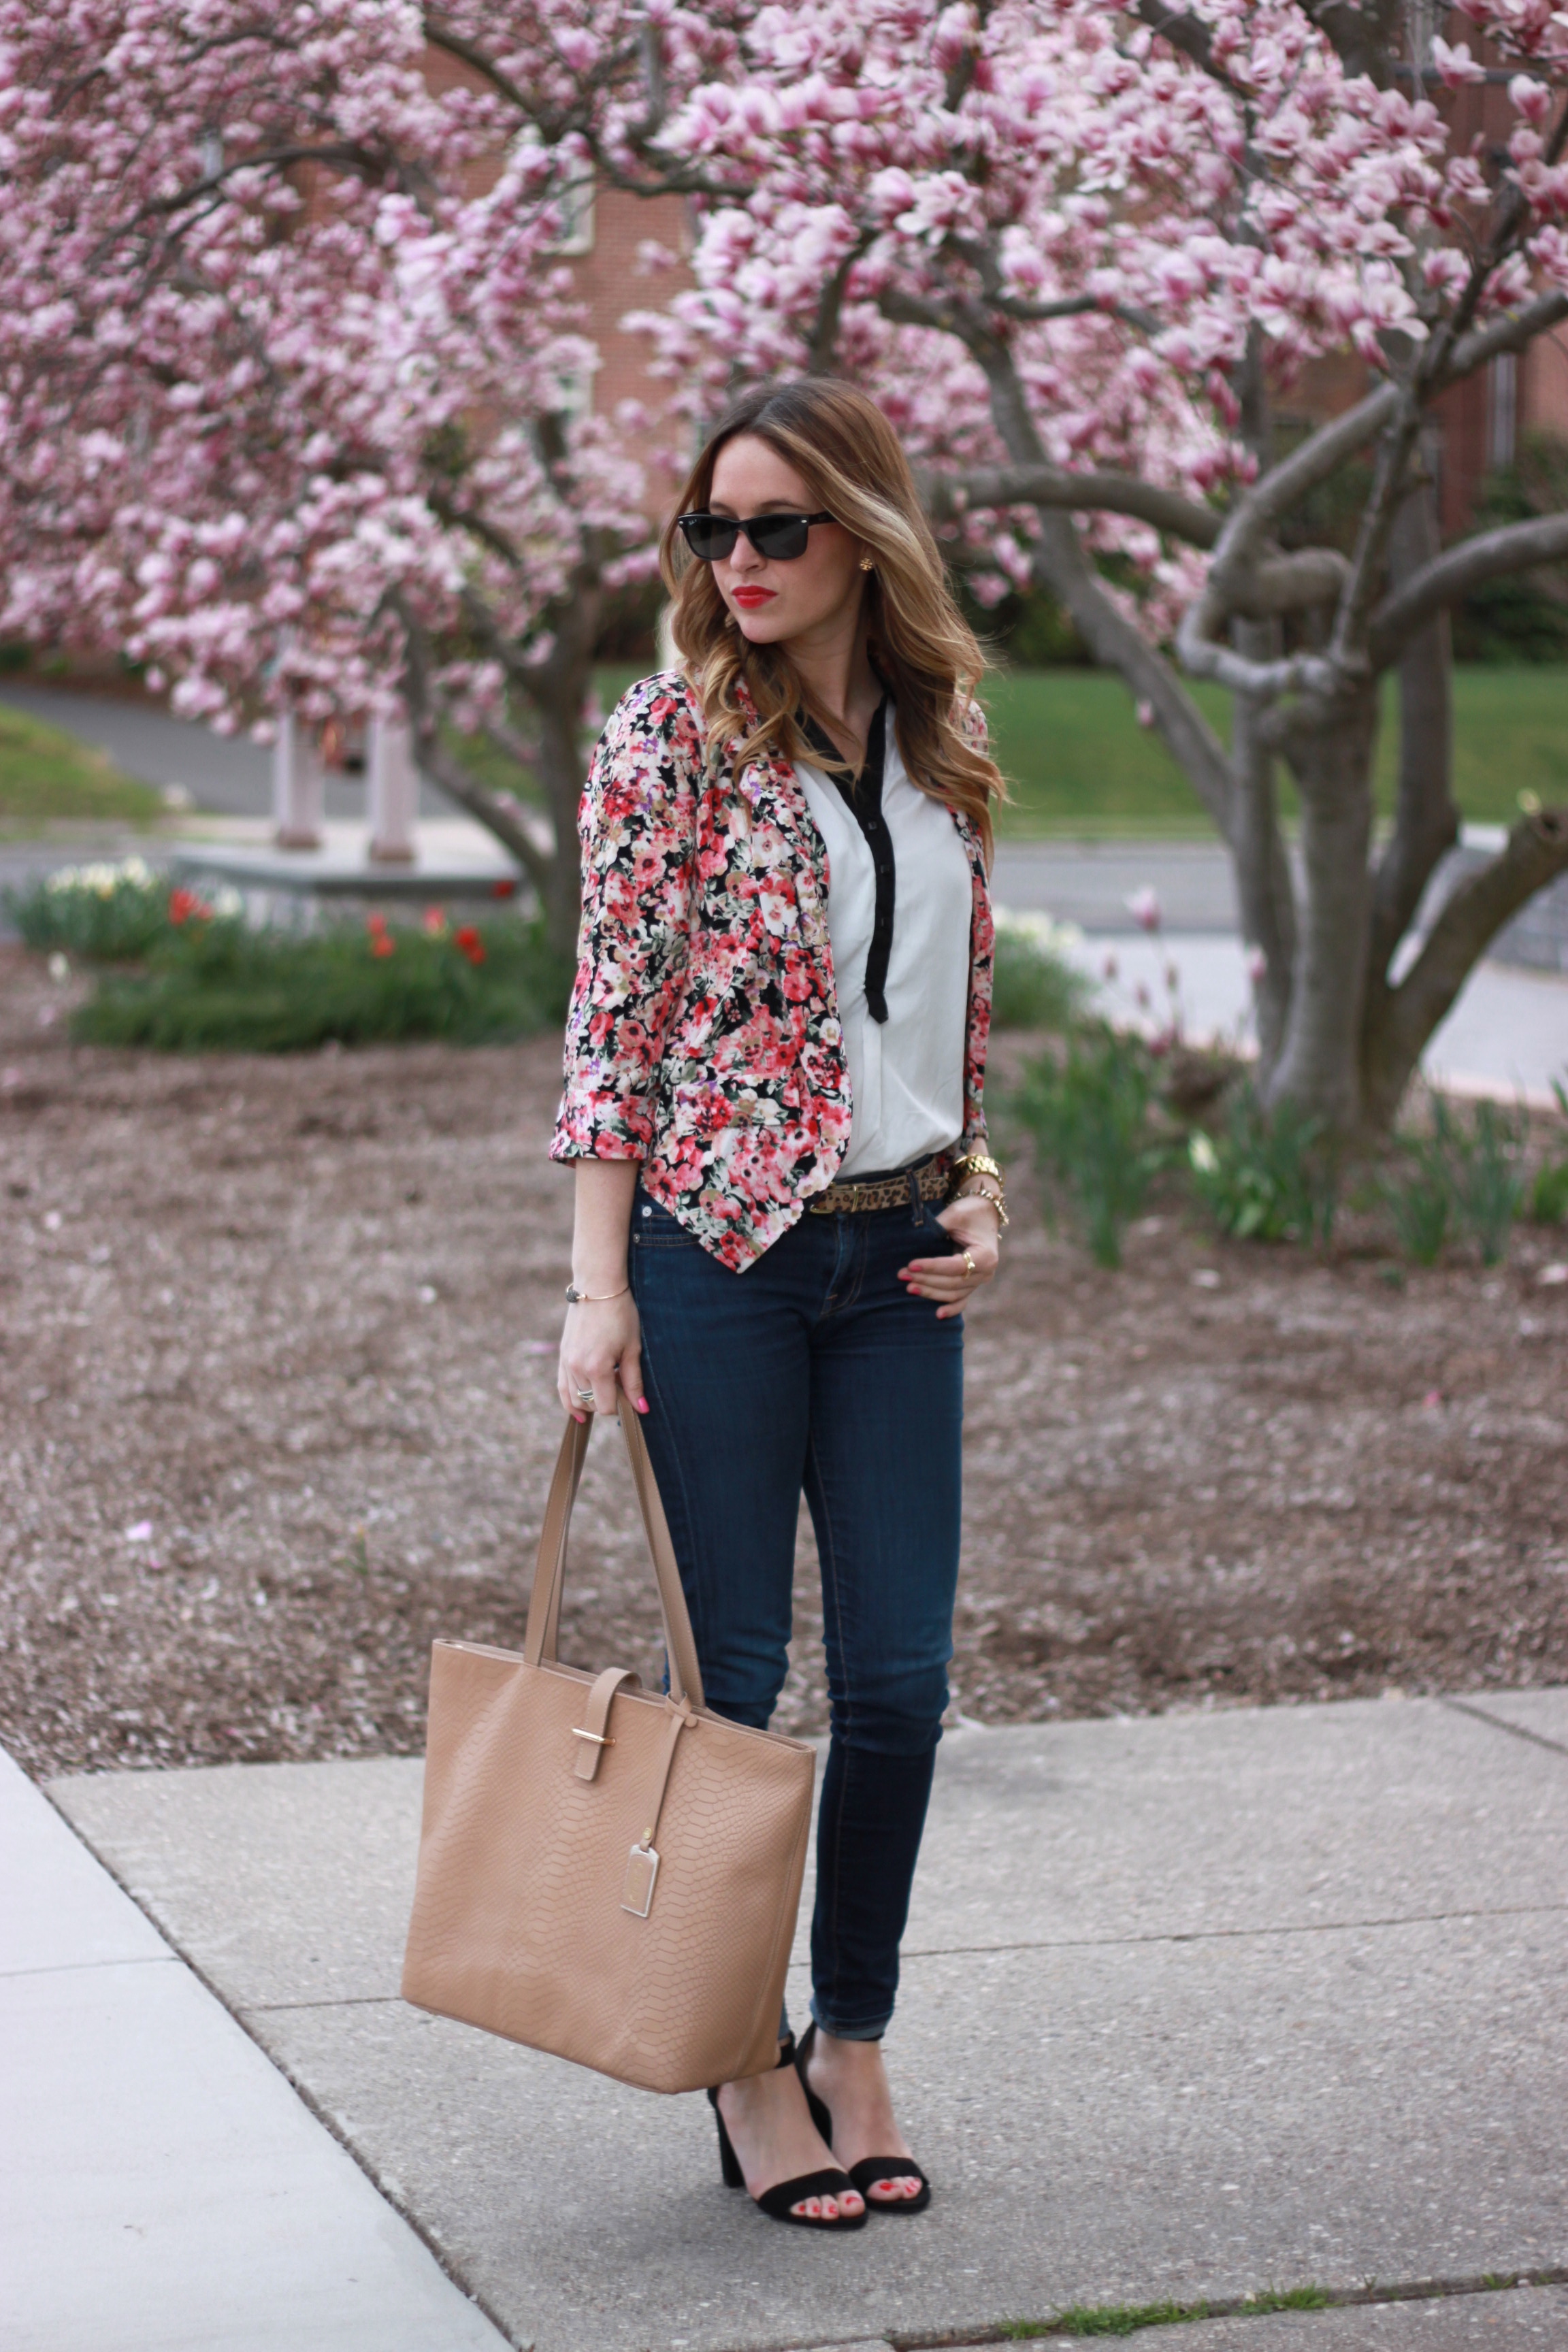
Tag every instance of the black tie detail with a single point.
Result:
(863, 797)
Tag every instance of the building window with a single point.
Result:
(1502, 411)
(1421, 21)
(574, 394)
(576, 203)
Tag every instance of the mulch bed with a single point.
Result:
(297, 1319)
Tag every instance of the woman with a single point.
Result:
(774, 1067)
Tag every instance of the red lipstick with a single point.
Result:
(750, 598)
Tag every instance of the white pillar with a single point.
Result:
(392, 792)
(297, 791)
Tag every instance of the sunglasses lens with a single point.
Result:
(709, 537)
(779, 539)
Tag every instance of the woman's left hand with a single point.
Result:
(952, 1281)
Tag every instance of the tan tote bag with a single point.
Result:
(605, 1872)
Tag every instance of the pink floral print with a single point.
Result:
(703, 1034)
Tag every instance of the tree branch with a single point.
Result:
(457, 45)
(1290, 584)
(1509, 334)
(1360, 35)
(1513, 213)
(1202, 655)
(1232, 584)
(823, 350)
(1284, 485)
(433, 756)
(1059, 565)
(949, 496)
(1452, 575)
(1188, 34)
(1390, 486)
(1073, 306)
(1535, 854)
(494, 814)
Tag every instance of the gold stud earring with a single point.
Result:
(867, 563)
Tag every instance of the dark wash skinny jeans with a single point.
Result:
(813, 1369)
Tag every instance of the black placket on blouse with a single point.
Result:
(862, 795)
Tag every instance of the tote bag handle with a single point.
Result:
(539, 1640)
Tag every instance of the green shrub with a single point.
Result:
(1265, 1176)
(219, 987)
(1419, 1207)
(102, 913)
(1524, 616)
(1034, 985)
(1548, 1194)
(1489, 1180)
(1091, 1117)
(1467, 1178)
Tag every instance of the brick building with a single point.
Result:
(1482, 423)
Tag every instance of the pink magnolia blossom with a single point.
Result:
(281, 356)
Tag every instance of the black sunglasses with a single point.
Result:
(777, 538)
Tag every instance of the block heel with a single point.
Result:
(871, 2167)
(775, 2203)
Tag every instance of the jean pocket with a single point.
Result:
(656, 1227)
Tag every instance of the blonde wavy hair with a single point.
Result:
(854, 466)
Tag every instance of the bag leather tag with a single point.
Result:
(642, 1869)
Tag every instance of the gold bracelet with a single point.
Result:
(974, 1163)
(981, 1193)
(580, 1297)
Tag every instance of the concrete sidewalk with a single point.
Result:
(1194, 2007)
(161, 2189)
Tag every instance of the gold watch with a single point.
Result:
(979, 1163)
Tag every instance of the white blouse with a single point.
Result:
(906, 1073)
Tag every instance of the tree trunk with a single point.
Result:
(558, 690)
(559, 769)
(1264, 893)
(1319, 1065)
(1425, 820)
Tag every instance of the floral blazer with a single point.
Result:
(703, 1035)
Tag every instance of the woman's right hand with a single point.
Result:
(601, 1350)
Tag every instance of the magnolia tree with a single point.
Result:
(284, 334)
(1082, 253)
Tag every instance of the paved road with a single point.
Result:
(1192, 2007)
(225, 773)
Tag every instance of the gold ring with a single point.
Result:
(969, 1266)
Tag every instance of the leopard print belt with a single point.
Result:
(927, 1181)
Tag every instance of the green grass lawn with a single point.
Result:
(46, 774)
(1078, 762)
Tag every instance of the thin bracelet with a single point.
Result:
(981, 1192)
(576, 1297)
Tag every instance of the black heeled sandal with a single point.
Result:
(870, 2168)
(775, 2203)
